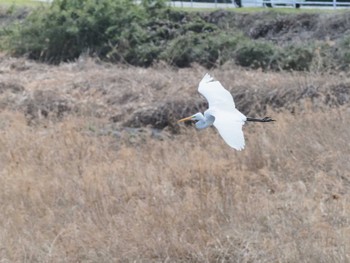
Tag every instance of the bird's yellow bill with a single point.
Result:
(185, 119)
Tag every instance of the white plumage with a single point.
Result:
(221, 113)
(228, 120)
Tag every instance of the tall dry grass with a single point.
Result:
(70, 193)
(69, 196)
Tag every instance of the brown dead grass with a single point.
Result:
(74, 190)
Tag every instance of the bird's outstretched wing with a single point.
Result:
(228, 120)
(215, 93)
(229, 124)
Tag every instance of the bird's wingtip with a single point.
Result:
(239, 148)
(206, 78)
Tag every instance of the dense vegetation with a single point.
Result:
(121, 31)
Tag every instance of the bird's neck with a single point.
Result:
(204, 121)
(200, 117)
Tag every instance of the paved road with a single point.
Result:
(257, 3)
(245, 3)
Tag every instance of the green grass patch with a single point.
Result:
(21, 3)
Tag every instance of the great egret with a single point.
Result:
(222, 113)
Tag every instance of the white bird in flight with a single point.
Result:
(222, 113)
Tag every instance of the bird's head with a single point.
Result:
(196, 117)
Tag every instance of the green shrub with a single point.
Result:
(343, 52)
(255, 54)
(207, 49)
(71, 27)
(295, 58)
(115, 30)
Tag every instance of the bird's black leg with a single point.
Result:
(266, 119)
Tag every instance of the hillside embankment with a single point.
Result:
(94, 167)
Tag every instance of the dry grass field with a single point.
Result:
(83, 179)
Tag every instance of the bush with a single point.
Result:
(255, 54)
(206, 49)
(343, 52)
(120, 31)
(295, 58)
(69, 28)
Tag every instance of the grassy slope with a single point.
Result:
(20, 3)
(73, 189)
